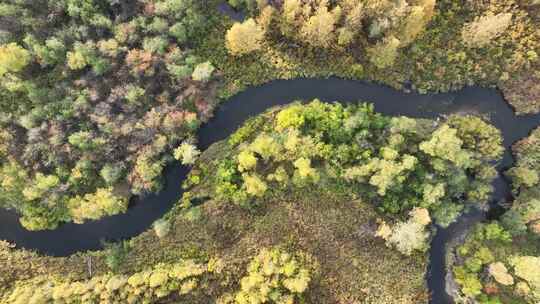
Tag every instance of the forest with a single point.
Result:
(508, 248)
(314, 201)
(95, 104)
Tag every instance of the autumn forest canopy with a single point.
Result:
(98, 97)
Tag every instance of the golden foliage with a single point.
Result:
(484, 29)
(245, 37)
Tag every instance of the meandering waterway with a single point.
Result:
(143, 211)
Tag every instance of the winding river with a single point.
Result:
(143, 211)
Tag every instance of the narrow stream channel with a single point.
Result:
(70, 238)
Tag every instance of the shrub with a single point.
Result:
(115, 254)
(408, 237)
(203, 71)
(187, 153)
(162, 228)
(484, 29)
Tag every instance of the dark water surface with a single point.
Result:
(70, 238)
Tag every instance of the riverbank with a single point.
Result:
(498, 259)
(242, 77)
(337, 231)
(232, 114)
(437, 61)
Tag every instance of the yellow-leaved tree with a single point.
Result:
(384, 53)
(276, 276)
(319, 28)
(244, 38)
(13, 58)
(96, 205)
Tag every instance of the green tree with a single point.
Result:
(246, 160)
(13, 58)
(266, 146)
(523, 176)
(384, 53)
(292, 116)
(254, 185)
(445, 144)
(96, 205)
(414, 24)
(111, 173)
(470, 284)
(76, 60)
(41, 185)
(304, 171)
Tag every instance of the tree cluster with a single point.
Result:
(147, 286)
(497, 267)
(499, 262)
(524, 215)
(379, 27)
(273, 276)
(396, 163)
(94, 95)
